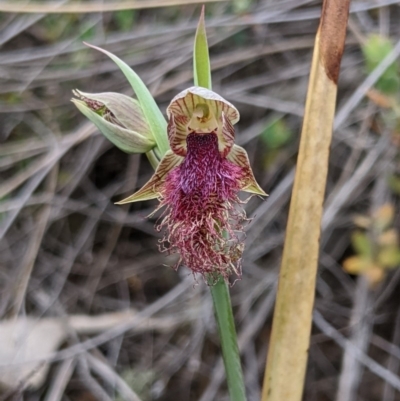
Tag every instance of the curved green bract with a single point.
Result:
(152, 113)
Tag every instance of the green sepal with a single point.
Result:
(152, 189)
(201, 57)
(239, 157)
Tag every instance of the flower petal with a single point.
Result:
(201, 56)
(152, 188)
(125, 109)
(127, 140)
(227, 137)
(239, 157)
(182, 108)
(177, 138)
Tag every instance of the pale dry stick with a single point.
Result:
(361, 328)
(17, 295)
(9, 161)
(51, 7)
(361, 321)
(73, 252)
(113, 236)
(393, 363)
(108, 374)
(229, 58)
(117, 330)
(142, 39)
(114, 39)
(87, 325)
(22, 77)
(246, 84)
(288, 347)
(83, 163)
(368, 362)
(364, 171)
(388, 347)
(356, 151)
(314, 12)
(66, 143)
(23, 146)
(60, 380)
(38, 71)
(170, 364)
(272, 103)
(199, 330)
(86, 378)
(34, 167)
(23, 197)
(384, 21)
(353, 101)
(19, 25)
(267, 211)
(252, 372)
(64, 206)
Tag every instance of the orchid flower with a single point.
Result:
(200, 173)
(197, 183)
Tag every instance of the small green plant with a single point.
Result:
(386, 93)
(376, 245)
(375, 49)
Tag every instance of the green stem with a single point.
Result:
(227, 333)
(152, 158)
(219, 290)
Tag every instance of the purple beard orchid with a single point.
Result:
(197, 183)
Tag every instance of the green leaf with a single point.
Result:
(389, 257)
(241, 6)
(362, 244)
(375, 49)
(201, 58)
(276, 134)
(152, 113)
(127, 140)
(394, 184)
(125, 19)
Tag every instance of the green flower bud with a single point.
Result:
(119, 118)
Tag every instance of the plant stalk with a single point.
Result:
(227, 334)
(288, 348)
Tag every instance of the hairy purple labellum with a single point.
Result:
(202, 219)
